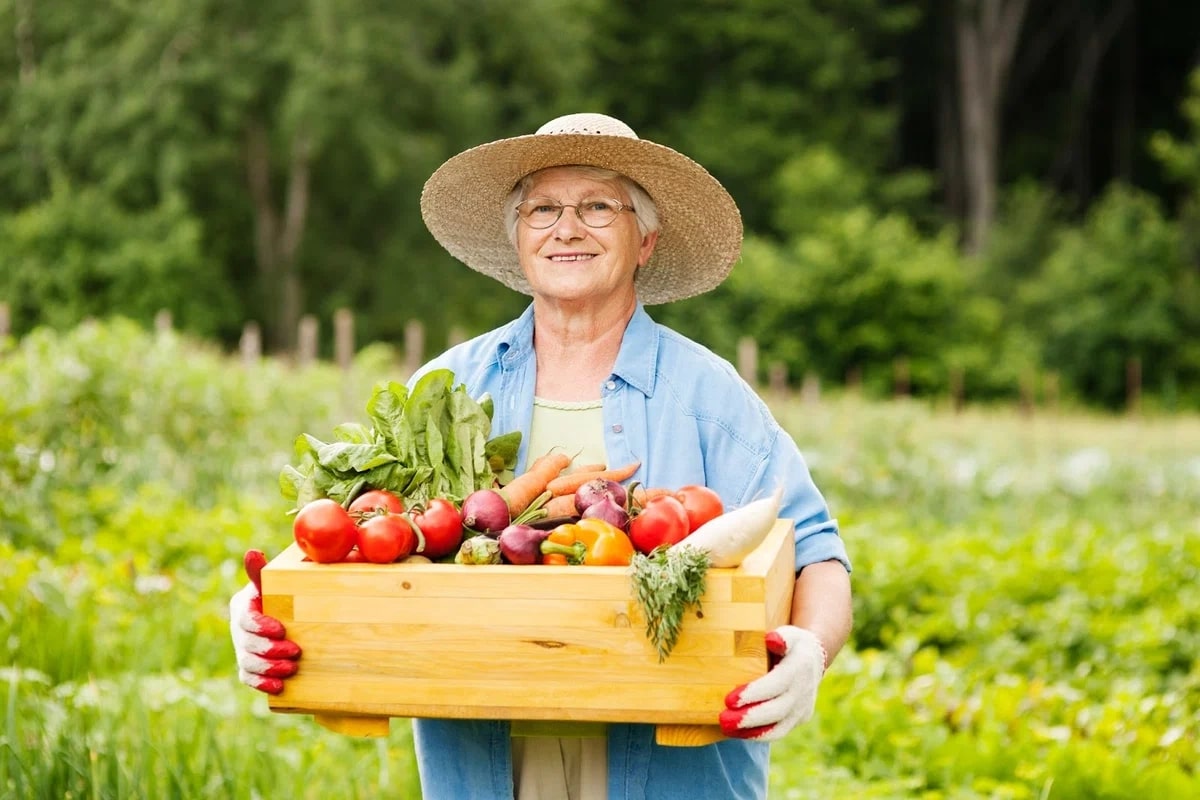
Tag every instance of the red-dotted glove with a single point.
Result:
(768, 708)
(264, 656)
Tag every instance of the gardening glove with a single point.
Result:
(768, 708)
(264, 656)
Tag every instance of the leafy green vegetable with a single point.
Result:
(434, 441)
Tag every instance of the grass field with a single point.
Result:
(1026, 596)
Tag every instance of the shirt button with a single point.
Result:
(610, 385)
(617, 429)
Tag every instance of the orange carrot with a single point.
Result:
(522, 490)
(590, 468)
(561, 506)
(569, 484)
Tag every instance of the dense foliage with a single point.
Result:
(1026, 593)
(256, 164)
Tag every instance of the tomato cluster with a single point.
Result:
(668, 519)
(377, 528)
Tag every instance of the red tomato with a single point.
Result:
(701, 504)
(442, 526)
(385, 538)
(375, 499)
(325, 531)
(663, 521)
(355, 556)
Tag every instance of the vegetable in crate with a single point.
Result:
(662, 521)
(374, 500)
(597, 489)
(593, 542)
(520, 544)
(441, 526)
(530, 487)
(485, 511)
(385, 538)
(667, 584)
(325, 531)
(732, 536)
(479, 549)
(435, 441)
(701, 504)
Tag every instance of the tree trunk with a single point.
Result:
(1094, 39)
(278, 235)
(986, 37)
(26, 55)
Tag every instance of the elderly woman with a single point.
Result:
(595, 223)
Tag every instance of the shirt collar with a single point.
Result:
(636, 359)
(516, 340)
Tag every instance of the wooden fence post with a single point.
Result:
(343, 337)
(308, 334)
(1027, 389)
(414, 346)
(1133, 385)
(747, 360)
(5, 320)
(251, 344)
(163, 320)
(810, 389)
(956, 389)
(902, 377)
(854, 380)
(1051, 390)
(777, 379)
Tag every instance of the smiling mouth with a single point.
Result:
(576, 257)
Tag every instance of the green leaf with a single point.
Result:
(291, 480)
(354, 432)
(347, 457)
(386, 409)
(500, 452)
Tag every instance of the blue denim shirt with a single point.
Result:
(688, 417)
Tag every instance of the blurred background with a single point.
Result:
(970, 290)
(979, 197)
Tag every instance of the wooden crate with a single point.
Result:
(563, 643)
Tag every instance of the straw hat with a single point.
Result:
(700, 228)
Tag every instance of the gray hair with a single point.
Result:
(644, 209)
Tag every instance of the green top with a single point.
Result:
(574, 427)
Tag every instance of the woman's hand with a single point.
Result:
(768, 708)
(264, 656)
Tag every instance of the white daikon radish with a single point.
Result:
(732, 536)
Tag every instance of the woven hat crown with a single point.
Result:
(599, 124)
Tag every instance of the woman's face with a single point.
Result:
(571, 262)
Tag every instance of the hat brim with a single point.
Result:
(700, 235)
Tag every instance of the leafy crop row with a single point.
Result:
(1026, 592)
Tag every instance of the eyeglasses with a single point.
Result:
(595, 212)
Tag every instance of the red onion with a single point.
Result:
(608, 510)
(519, 544)
(485, 511)
(596, 490)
